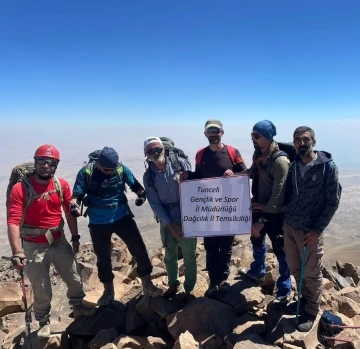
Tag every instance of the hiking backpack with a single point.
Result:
(22, 173)
(286, 149)
(89, 169)
(173, 153)
(90, 166)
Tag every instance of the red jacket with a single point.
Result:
(41, 213)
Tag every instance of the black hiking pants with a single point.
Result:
(128, 232)
(218, 255)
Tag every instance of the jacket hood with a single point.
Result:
(323, 156)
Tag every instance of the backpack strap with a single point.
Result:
(232, 153)
(199, 156)
(273, 159)
(31, 195)
(174, 159)
(58, 188)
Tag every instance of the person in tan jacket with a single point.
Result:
(268, 172)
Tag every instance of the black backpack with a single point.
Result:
(173, 153)
(286, 149)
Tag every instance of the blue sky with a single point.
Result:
(144, 61)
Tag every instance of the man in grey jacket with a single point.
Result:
(313, 193)
(162, 189)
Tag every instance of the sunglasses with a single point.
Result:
(213, 131)
(152, 151)
(108, 169)
(256, 135)
(42, 162)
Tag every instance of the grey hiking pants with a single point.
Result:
(39, 257)
(313, 279)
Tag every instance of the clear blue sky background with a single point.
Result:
(143, 61)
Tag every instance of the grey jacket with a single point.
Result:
(312, 202)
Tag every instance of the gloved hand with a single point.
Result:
(140, 200)
(75, 210)
(18, 260)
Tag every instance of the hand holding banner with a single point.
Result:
(216, 206)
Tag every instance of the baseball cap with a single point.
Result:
(150, 140)
(213, 123)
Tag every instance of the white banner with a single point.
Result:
(216, 206)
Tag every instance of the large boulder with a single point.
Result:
(106, 317)
(10, 298)
(202, 315)
(243, 296)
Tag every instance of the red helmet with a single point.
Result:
(48, 151)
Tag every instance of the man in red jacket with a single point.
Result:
(35, 217)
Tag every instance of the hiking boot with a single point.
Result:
(171, 291)
(189, 297)
(44, 330)
(83, 310)
(291, 309)
(224, 287)
(306, 322)
(108, 294)
(282, 301)
(211, 292)
(149, 289)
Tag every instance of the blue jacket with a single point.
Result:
(106, 197)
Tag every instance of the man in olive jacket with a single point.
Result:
(269, 172)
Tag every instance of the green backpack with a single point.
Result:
(89, 169)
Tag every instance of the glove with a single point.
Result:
(18, 260)
(75, 210)
(140, 200)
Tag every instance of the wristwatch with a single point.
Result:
(262, 220)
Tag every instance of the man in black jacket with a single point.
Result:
(314, 193)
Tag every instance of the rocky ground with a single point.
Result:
(243, 318)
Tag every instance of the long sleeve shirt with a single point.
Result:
(162, 191)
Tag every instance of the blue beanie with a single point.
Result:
(266, 128)
(108, 158)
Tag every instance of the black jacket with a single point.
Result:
(312, 200)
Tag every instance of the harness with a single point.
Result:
(26, 230)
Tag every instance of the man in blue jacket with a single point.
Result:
(104, 185)
(313, 193)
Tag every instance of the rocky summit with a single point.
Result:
(243, 318)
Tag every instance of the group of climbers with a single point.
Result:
(295, 193)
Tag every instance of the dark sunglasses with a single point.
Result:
(256, 135)
(43, 162)
(152, 151)
(108, 169)
(213, 131)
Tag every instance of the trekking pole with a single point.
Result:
(301, 282)
(27, 311)
(337, 340)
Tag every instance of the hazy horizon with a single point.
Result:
(75, 144)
